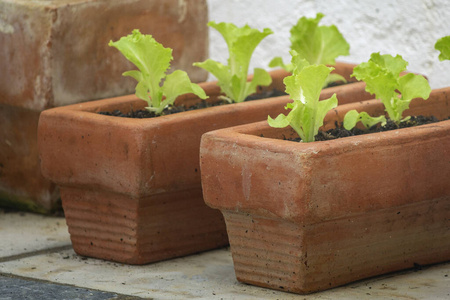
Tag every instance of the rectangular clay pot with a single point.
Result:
(130, 188)
(304, 217)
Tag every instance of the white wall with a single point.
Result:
(406, 27)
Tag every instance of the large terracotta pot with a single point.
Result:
(304, 217)
(130, 188)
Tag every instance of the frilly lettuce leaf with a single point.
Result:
(443, 45)
(317, 44)
(304, 87)
(382, 77)
(392, 65)
(153, 61)
(232, 79)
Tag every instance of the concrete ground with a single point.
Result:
(37, 262)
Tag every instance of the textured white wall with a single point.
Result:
(406, 27)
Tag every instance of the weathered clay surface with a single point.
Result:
(21, 182)
(307, 217)
(131, 164)
(55, 53)
(70, 60)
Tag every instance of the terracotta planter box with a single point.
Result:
(130, 188)
(308, 217)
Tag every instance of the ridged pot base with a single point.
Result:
(286, 256)
(116, 227)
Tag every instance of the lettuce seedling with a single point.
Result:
(317, 44)
(153, 61)
(232, 79)
(382, 77)
(352, 117)
(304, 87)
(443, 45)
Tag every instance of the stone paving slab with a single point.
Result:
(22, 233)
(210, 275)
(12, 288)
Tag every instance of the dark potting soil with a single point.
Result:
(143, 113)
(336, 83)
(341, 132)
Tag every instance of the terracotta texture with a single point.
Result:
(308, 217)
(21, 184)
(55, 53)
(131, 166)
(70, 59)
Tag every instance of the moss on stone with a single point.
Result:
(21, 203)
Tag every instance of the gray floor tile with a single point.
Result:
(12, 288)
(24, 233)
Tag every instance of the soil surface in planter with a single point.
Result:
(341, 132)
(143, 113)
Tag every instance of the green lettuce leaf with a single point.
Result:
(222, 74)
(382, 77)
(306, 111)
(443, 45)
(176, 84)
(334, 78)
(260, 78)
(137, 48)
(352, 117)
(413, 86)
(241, 42)
(317, 44)
(278, 62)
(153, 61)
(393, 65)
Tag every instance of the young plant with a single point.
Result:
(304, 87)
(317, 44)
(382, 77)
(443, 45)
(353, 117)
(232, 79)
(153, 60)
